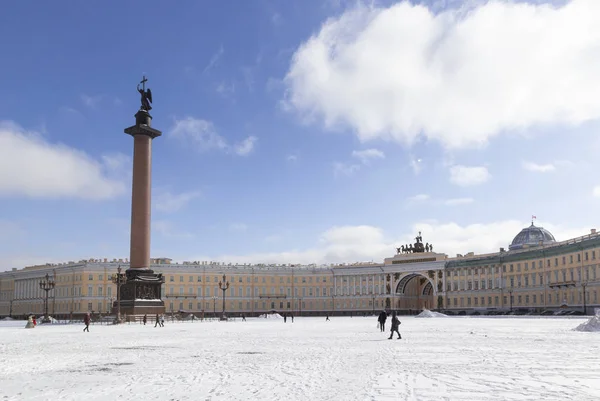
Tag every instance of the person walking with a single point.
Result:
(395, 326)
(382, 318)
(145, 319)
(86, 321)
(162, 320)
(157, 321)
(326, 318)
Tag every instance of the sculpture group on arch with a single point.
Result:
(417, 247)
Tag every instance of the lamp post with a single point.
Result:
(46, 285)
(214, 306)
(373, 303)
(118, 279)
(223, 285)
(583, 285)
(510, 292)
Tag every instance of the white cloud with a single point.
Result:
(344, 169)
(203, 135)
(214, 60)
(459, 78)
(458, 201)
(276, 19)
(538, 168)
(365, 243)
(238, 227)
(31, 166)
(246, 146)
(165, 201)
(366, 155)
(226, 89)
(467, 176)
(419, 198)
(415, 165)
(91, 101)
(200, 132)
(291, 158)
(167, 229)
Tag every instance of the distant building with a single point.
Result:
(536, 273)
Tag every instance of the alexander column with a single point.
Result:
(141, 293)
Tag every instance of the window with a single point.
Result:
(199, 279)
(199, 291)
(99, 291)
(191, 280)
(100, 278)
(181, 281)
(108, 291)
(91, 277)
(171, 279)
(89, 307)
(90, 291)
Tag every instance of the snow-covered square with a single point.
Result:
(346, 359)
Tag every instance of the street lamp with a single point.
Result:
(118, 279)
(46, 285)
(583, 285)
(373, 303)
(510, 292)
(215, 306)
(223, 285)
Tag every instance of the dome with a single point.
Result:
(531, 236)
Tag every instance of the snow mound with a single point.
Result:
(271, 316)
(8, 319)
(428, 313)
(591, 325)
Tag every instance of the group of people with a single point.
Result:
(158, 321)
(381, 319)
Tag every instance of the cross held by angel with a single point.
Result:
(146, 95)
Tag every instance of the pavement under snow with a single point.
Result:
(454, 358)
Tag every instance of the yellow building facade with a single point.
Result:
(535, 274)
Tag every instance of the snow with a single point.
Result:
(592, 325)
(311, 359)
(271, 316)
(428, 313)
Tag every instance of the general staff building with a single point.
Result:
(536, 273)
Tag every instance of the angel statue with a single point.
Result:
(146, 95)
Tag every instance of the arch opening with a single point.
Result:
(414, 292)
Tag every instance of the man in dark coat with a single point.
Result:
(86, 321)
(381, 319)
(395, 326)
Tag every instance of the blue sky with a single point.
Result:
(298, 131)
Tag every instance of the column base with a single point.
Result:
(141, 293)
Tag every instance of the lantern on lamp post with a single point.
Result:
(46, 285)
(118, 279)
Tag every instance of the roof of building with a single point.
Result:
(532, 236)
